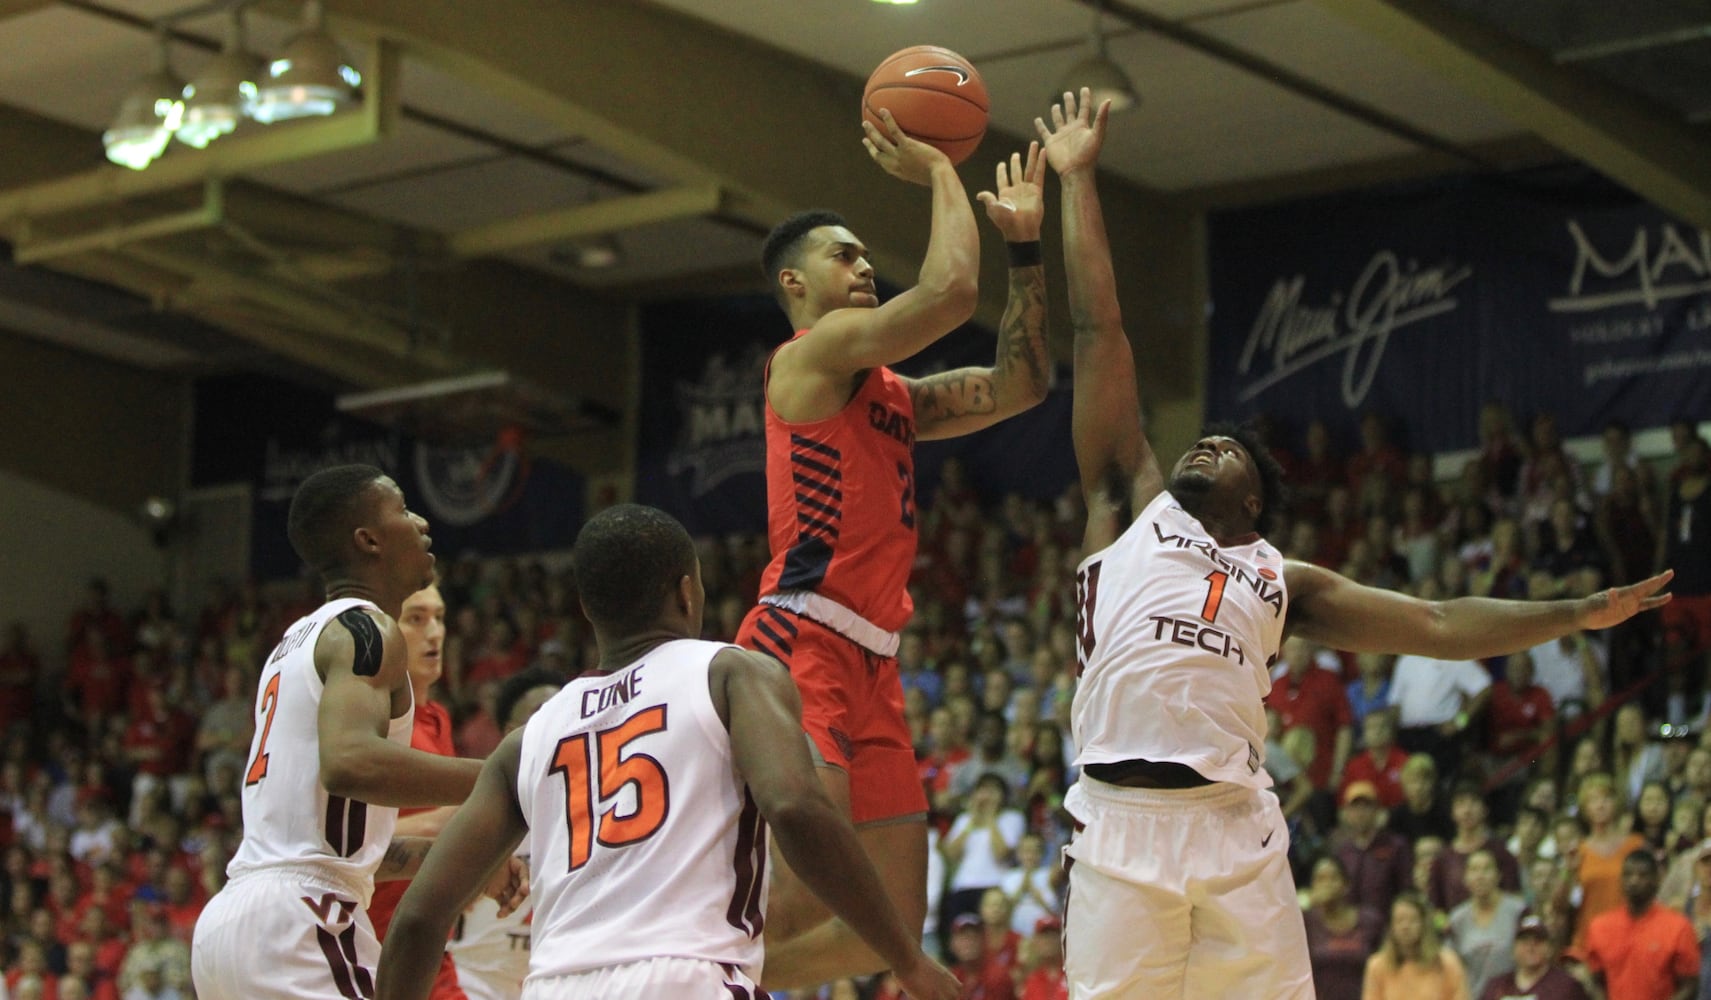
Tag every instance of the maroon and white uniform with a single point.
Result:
(648, 853)
(292, 921)
(1175, 636)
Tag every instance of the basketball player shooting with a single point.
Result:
(840, 434)
(646, 788)
(1182, 604)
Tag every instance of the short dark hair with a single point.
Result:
(1643, 857)
(627, 558)
(324, 511)
(1274, 495)
(783, 246)
(1469, 789)
(519, 684)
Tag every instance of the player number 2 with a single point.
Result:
(269, 704)
(583, 795)
(1215, 581)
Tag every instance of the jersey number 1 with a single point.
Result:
(583, 795)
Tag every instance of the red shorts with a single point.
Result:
(852, 708)
(1687, 619)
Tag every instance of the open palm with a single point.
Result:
(1077, 132)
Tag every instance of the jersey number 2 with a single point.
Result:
(270, 705)
(613, 769)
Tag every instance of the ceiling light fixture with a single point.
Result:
(147, 116)
(1097, 72)
(311, 77)
(220, 96)
(598, 253)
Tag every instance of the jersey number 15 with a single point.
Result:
(595, 769)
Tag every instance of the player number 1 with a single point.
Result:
(1214, 594)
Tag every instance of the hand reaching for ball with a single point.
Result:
(901, 156)
(1076, 134)
(1017, 204)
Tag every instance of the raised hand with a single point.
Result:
(901, 156)
(1076, 134)
(1618, 604)
(1017, 203)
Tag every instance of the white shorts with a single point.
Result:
(480, 984)
(688, 978)
(1182, 893)
(283, 934)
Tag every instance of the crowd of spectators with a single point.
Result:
(1444, 815)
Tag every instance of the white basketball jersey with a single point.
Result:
(1174, 637)
(492, 952)
(289, 817)
(644, 841)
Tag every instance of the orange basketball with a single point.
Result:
(935, 95)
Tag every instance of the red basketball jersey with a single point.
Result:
(840, 500)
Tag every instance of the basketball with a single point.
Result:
(935, 95)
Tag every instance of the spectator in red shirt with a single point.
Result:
(183, 903)
(1379, 863)
(1002, 945)
(1520, 711)
(1308, 696)
(1643, 951)
(1318, 472)
(499, 658)
(946, 749)
(1045, 979)
(1376, 472)
(157, 743)
(19, 668)
(32, 965)
(98, 614)
(97, 680)
(1378, 763)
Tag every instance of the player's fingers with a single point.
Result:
(1002, 175)
(1016, 172)
(1041, 130)
(1057, 116)
(893, 131)
(1102, 117)
(1086, 102)
(1036, 169)
(986, 198)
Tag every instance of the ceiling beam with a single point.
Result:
(592, 219)
(692, 102)
(1634, 142)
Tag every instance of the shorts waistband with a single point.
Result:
(827, 612)
(1219, 793)
(314, 875)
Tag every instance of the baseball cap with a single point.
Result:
(1047, 923)
(1530, 923)
(965, 922)
(1360, 790)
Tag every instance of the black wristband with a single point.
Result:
(1024, 254)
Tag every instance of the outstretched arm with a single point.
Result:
(473, 852)
(969, 399)
(818, 366)
(1117, 464)
(1329, 608)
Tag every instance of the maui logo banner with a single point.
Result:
(1545, 294)
(488, 498)
(701, 451)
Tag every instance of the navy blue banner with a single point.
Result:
(489, 499)
(701, 437)
(1547, 294)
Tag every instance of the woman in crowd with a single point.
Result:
(1340, 935)
(1413, 963)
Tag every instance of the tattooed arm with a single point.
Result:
(968, 399)
(403, 858)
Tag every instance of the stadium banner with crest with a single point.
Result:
(487, 499)
(1545, 292)
(701, 446)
